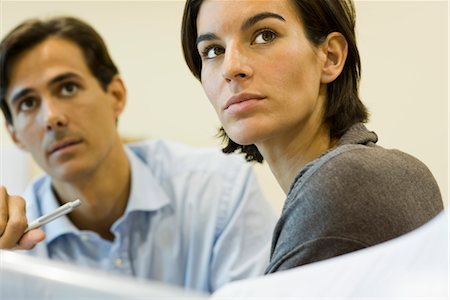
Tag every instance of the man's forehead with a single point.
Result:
(48, 54)
(40, 65)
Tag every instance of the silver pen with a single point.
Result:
(60, 211)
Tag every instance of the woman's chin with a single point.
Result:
(245, 133)
(242, 139)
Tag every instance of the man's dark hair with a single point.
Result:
(319, 18)
(34, 31)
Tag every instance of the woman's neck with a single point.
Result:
(288, 154)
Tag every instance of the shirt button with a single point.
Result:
(118, 262)
(85, 237)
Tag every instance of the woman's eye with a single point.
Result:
(69, 89)
(265, 37)
(212, 52)
(27, 104)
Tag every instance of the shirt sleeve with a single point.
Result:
(242, 245)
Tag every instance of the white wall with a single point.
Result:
(404, 49)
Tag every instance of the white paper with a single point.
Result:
(31, 278)
(415, 265)
(412, 266)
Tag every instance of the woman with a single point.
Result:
(283, 77)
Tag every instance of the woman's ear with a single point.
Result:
(119, 93)
(335, 49)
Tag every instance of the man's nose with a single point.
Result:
(55, 114)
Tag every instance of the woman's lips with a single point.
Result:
(239, 98)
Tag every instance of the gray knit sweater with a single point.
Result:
(356, 195)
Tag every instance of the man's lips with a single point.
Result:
(62, 144)
(242, 98)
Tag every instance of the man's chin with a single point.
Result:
(68, 174)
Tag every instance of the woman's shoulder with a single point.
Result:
(370, 177)
(352, 162)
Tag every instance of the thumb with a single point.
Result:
(30, 239)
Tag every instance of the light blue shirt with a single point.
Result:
(195, 218)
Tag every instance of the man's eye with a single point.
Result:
(69, 89)
(27, 104)
(212, 52)
(265, 37)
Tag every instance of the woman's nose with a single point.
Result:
(235, 65)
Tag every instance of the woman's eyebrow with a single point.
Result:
(247, 24)
(206, 37)
(261, 16)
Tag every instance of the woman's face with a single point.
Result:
(259, 70)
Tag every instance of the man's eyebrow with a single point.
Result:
(55, 80)
(63, 77)
(247, 24)
(20, 94)
(259, 17)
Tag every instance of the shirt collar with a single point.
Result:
(358, 134)
(61, 225)
(146, 194)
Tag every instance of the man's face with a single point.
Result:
(61, 114)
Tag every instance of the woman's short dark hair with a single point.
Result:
(319, 18)
(33, 31)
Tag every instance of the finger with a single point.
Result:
(17, 223)
(30, 239)
(3, 209)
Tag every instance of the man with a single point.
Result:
(157, 210)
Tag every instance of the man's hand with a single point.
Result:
(13, 222)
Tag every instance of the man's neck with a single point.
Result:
(104, 194)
